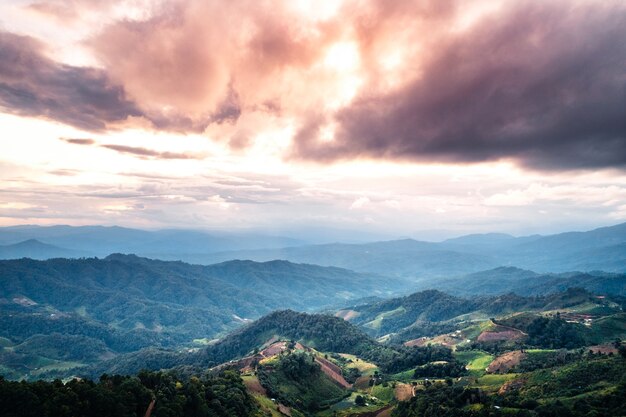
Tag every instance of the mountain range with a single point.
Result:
(503, 280)
(298, 364)
(124, 303)
(602, 249)
(101, 241)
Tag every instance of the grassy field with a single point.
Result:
(473, 331)
(204, 341)
(476, 361)
(82, 311)
(384, 394)
(57, 366)
(377, 322)
(405, 376)
(609, 328)
(267, 405)
(366, 368)
(346, 407)
(33, 366)
(494, 382)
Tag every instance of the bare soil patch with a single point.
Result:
(603, 349)
(386, 412)
(417, 342)
(333, 371)
(511, 386)
(150, 408)
(501, 333)
(254, 386)
(347, 314)
(273, 349)
(283, 409)
(362, 382)
(403, 392)
(503, 363)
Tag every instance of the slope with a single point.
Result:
(128, 303)
(431, 312)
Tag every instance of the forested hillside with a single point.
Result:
(124, 303)
(302, 364)
(432, 312)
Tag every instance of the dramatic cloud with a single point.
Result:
(543, 83)
(33, 85)
(539, 83)
(202, 62)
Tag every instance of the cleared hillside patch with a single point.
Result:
(378, 321)
(383, 393)
(493, 382)
(403, 392)
(505, 362)
(476, 361)
(332, 371)
(347, 314)
(253, 385)
(501, 333)
(366, 368)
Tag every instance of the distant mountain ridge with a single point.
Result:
(503, 280)
(600, 249)
(34, 249)
(398, 258)
(104, 240)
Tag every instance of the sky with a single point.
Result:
(425, 118)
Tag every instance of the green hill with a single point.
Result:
(125, 303)
(432, 312)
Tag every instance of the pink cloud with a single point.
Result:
(540, 83)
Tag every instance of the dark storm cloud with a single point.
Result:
(33, 85)
(543, 83)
